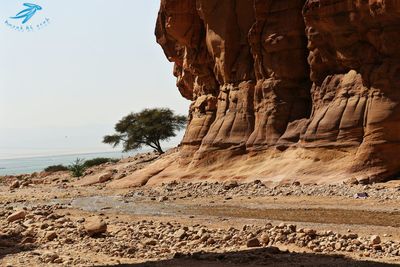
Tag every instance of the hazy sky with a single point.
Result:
(64, 87)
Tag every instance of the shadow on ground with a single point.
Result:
(15, 244)
(257, 257)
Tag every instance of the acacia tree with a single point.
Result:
(146, 128)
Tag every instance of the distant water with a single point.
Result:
(37, 164)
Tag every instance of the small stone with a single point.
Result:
(230, 184)
(180, 234)
(210, 241)
(44, 226)
(150, 242)
(69, 241)
(377, 247)
(95, 226)
(49, 257)
(105, 177)
(252, 243)
(131, 250)
(19, 215)
(28, 240)
(310, 232)
(281, 225)
(292, 228)
(227, 237)
(317, 250)
(375, 239)
(265, 239)
(50, 236)
(15, 185)
(204, 238)
(352, 236)
(58, 260)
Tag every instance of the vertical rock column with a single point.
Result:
(282, 97)
(181, 34)
(354, 67)
(243, 63)
(227, 24)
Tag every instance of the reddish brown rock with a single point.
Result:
(19, 215)
(284, 90)
(246, 63)
(354, 62)
(95, 226)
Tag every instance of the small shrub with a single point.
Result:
(98, 161)
(77, 168)
(56, 168)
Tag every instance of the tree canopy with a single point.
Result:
(146, 128)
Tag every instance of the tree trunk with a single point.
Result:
(159, 149)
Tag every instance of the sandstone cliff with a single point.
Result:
(284, 89)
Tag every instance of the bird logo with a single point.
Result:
(28, 13)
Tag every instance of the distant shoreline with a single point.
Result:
(28, 165)
(62, 154)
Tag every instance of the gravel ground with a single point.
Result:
(41, 235)
(259, 189)
(196, 223)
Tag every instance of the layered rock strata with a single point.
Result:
(308, 88)
(354, 61)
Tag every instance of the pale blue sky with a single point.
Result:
(62, 88)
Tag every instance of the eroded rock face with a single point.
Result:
(354, 63)
(288, 74)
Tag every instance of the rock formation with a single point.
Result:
(286, 89)
(354, 60)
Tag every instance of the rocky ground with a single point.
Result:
(47, 219)
(388, 191)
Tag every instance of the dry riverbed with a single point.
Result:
(199, 224)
